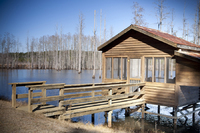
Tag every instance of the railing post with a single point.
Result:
(14, 95)
(110, 112)
(110, 118)
(61, 93)
(93, 117)
(44, 94)
(143, 106)
(30, 96)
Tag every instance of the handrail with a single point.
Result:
(17, 96)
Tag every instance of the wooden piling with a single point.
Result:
(110, 119)
(14, 95)
(158, 113)
(193, 115)
(93, 119)
(143, 106)
(175, 119)
(29, 100)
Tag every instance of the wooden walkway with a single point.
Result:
(79, 99)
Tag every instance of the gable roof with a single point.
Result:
(156, 34)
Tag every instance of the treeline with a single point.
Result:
(50, 52)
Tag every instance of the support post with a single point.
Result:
(43, 95)
(143, 106)
(61, 93)
(175, 119)
(30, 96)
(142, 125)
(127, 112)
(193, 115)
(106, 116)
(158, 113)
(14, 95)
(110, 119)
(93, 119)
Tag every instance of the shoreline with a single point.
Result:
(13, 120)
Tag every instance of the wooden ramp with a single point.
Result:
(80, 99)
(47, 109)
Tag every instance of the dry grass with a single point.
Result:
(13, 120)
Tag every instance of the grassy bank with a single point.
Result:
(13, 120)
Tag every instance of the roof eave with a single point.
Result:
(188, 47)
(155, 36)
(187, 56)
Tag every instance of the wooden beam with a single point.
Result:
(188, 113)
(14, 95)
(46, 86)
(28, 83)
(110, 118)
(30, 96)
(36, 94)
(103, 87)
(95, 98)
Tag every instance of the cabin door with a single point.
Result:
(135, 72)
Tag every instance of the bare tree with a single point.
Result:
(94, 42)
(104, 30)
(100, 44)
(138, 14)
(172, 22)
(194, 27)
(184, 24)
(32, 50)
(199, 24)
(161, 13)
(111, 32)
(81, 19)
(3, 44)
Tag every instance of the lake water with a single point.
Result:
(131, 124)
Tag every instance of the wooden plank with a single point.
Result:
(100, 102)
(46, 86)
(170, 104)
(28, 83)
(18, 96)
(52, 109)
(188, 113)
(104, 87)
(53, 113)
(99, 98)
(172, 117)
(91, 110)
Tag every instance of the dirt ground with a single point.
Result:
(13, 120)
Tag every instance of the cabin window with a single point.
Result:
(159, 69)
(109, 68)
(117, 68)
(171, 73)
(124, 69)
(135, 65)
(148, 69)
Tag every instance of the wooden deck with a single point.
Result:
(80, 99)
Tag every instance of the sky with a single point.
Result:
(36, 18)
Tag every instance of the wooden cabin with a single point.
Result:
(170, 66)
